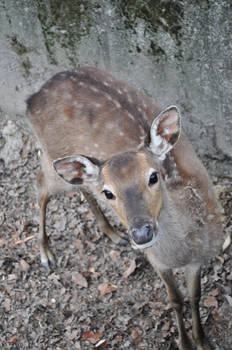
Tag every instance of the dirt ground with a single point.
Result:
(100, 296)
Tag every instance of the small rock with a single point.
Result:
(24, 265)
(80, 280)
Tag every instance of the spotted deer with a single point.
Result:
(106, 138)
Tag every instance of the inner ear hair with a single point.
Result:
(95, 161)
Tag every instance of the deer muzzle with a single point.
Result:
(143, 235)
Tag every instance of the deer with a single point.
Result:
(102, 136)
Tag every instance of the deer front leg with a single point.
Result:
(46, 255)
(176, 301)
(193, 277)
(103, 223)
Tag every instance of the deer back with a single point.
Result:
(91, 113)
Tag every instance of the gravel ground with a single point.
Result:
(100, 296)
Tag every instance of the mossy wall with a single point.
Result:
(178, 52)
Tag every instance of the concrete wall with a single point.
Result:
(178, 52)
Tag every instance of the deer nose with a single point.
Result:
(143, 234)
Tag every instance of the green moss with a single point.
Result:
(21, 50)
(156, 51)
(160, 14)
(166, 14)
(27, 66)
(2, 141)
(17, 46)
(64, 22)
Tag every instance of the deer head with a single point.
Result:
(132, 181)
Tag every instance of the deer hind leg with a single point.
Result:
(46, 255)
(193, 277)
(176, 301)
(103, 223)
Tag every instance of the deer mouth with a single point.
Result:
(144, 245)
(144, 236)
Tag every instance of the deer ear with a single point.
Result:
(76, 170)
(165, 131)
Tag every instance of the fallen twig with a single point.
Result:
(25, 239)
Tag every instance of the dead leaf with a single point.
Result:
(211, 301)
(106, 288)
(79, 244)
(214, 292)
(92, 337)
(130, 269)
(88, 214)
(80, 280)
(54, 277)
(136, 335)
(221, 259)
(12, 277)
(172, 330)
(219, 189)
(13, 339)
(7, 305)
(3, 242)
(166, 326)
(115, 255)
(156, 304)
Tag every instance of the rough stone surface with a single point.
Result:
(12, 144)
(178, 52)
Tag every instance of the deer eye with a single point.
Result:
(153, 178)
(108, 194)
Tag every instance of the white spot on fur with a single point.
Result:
(117, 104)
(144, 105)
(94, 89)
(145, 116)
(97, 105)
(129, 98)
(130, 116)
(108, 97)
(141, 129)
